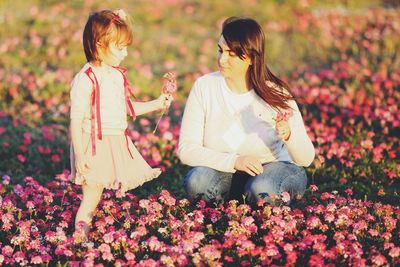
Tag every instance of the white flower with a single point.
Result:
(120, 13)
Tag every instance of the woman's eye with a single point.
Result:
(232, 54)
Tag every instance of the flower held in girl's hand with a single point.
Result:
(169, 85)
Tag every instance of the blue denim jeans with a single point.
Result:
(215, 186)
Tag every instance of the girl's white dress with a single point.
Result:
(99, 93)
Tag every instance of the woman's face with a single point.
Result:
(115, 54)
(231, 65)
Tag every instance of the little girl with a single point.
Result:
(102, 154)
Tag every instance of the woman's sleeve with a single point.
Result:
(81, 90)
(191, 149)
(299, 144)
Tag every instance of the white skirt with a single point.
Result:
(112, 167)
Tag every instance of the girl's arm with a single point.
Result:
(77, 138)
(163, 101)
(81, 89)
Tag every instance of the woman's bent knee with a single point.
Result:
(196, 180)
(277, 178)
(207, 183)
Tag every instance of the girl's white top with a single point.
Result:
(219, 125)
(112, 99)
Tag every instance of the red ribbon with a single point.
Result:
(95, 107)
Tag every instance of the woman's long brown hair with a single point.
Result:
(245, 37)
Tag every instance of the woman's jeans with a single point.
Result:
(215, 186)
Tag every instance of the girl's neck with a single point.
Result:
(238, 85)
(100, 64)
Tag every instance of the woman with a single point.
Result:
(233, 125)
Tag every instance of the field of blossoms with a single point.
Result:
(343, 64)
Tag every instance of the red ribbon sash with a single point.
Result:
(95, 107)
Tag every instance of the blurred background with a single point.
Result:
(328, 51)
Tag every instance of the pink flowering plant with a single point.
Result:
(348, 96)
(162, 230)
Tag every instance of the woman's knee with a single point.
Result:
(295, 184)
(196, 180)
(278, 177)
(207, 183)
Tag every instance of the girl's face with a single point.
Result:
(231, 65)
(115, 54)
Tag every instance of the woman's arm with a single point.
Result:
(299, 144)
(191, 149)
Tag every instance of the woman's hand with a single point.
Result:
(283, 130)
(249, 164)
(81, 165)
(165, 100)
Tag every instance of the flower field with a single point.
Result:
(343, 64)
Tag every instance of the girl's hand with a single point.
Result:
(81, 165)
(249, 164)
(283, 130)
(165, 100)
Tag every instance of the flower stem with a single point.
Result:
(162, 114)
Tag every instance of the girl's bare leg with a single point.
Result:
(91, 197)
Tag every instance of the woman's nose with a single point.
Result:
(222, 58)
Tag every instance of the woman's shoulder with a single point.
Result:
(210, 78)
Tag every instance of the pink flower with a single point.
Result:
(21, 158)
(19, 256)
(379, 259)
(394, 252)
(108, 237)
(36, 260)
(55, 158)
(381, 192)
(284, 115)
(349, 192)
(40, 149)
(130, 256)
(373, 232)
(154, 244)
(166, 198)
(6, 179)
(285, 196)
(107, 256)
(7, 250)
(313, 222)
(23, 148)
(313, 188)
(169, 83)
(27, 138)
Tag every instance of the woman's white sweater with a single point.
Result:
(214, 134)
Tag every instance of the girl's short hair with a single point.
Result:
(101, 29)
